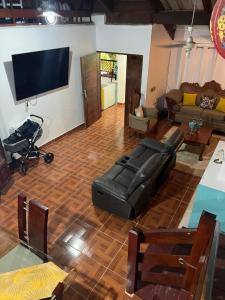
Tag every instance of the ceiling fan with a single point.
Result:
(189, 43)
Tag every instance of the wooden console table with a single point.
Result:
(4, 169)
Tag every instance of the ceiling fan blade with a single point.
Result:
(170, 46)
(209, 44)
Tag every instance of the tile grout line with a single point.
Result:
(106, 269)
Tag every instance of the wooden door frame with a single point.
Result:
(83, 83)
(127, 98)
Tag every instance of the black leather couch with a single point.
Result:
(127, 187)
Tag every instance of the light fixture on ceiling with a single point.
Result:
(49, 9)
(51, 17)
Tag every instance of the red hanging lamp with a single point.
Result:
(218, 27)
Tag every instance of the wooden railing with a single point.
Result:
(176, 264)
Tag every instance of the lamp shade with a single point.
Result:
(218, 26)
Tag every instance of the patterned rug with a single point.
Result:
(188, 156)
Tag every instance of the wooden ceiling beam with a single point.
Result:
(157, 6)
(171, 30)
(33, 13)
(107, 5)
(19, 13)
(207, 4)
(181, 17)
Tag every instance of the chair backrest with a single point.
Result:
(32, 225)
(174, 259)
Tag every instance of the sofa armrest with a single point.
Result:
(150, 112)
(138, 122)
(153, 144)
(111, 187)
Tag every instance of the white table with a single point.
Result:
(210, 193)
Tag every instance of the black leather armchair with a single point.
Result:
(128, 186)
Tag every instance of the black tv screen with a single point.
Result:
(38, 72)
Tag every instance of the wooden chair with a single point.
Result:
(170, 264)
(143, 124)
(32, 225)
(32, 229)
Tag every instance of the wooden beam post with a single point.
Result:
(107, 5)
(157, 6)
(181, 17)
(207, 4)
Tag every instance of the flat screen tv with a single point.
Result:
(38, 72)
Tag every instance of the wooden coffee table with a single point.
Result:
(200, 138)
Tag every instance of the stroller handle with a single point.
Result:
(42, 120)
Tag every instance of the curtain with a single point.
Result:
(204, 64)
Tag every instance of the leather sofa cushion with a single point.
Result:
(152, 144)
(145, 172)
(191, 110)
(140, 155)
(173, 142)
(212, 114)
(121, 175)
(112, 187)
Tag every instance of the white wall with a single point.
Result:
(121, 80)
(158, 65)
(125, 39)
(62, 109)
(204, 63)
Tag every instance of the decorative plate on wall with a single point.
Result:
(218, 27)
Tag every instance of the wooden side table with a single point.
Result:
(200, 138)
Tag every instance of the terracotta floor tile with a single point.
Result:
(119, 263)
(163, 205)
(118, 228)
(102, 248)
(81, 235)
(111, 286)
(95, 216)
(71, 294)
(64, 256)
(78, 235)
(153, 220)
(7, 215)
(188, 195)
(87, 274)
(174, 190)
(74, 207)
(39, 189)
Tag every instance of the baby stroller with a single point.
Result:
(22, 142)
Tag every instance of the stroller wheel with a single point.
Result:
(23, 168)
(48, 158)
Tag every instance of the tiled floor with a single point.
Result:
(80, 235)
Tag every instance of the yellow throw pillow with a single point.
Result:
(189, 99)
(221, 105)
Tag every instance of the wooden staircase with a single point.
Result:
(177, 264)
